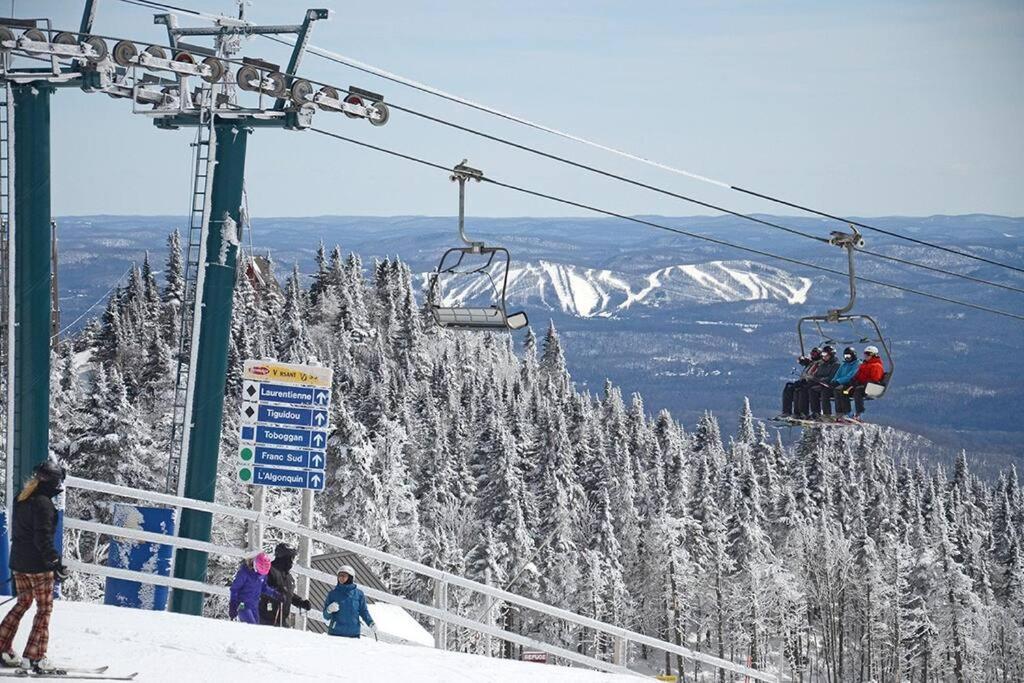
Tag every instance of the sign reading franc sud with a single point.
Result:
(285, 418)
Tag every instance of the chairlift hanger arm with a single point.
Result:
(460, 174)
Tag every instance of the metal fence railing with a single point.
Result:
(437, 612)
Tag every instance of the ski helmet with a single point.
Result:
(284, 550)
(49, 470)
(347, 569)
(828, 350)
(873, 350)
(261, 563)
(850, 352)
(815, 353)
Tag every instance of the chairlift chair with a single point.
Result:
(475, 261)
(868, 331)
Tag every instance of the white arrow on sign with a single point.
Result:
(316, 460)
(315, 479)
(318, 439)
(319, 419)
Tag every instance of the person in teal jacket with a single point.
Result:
(823, 393)
(344, 606)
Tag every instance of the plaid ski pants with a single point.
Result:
(38, 587)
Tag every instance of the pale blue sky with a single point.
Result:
(858, 107)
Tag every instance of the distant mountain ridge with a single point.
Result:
(602, 293)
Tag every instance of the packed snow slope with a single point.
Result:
(162, 646)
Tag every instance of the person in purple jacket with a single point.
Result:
(249, 584)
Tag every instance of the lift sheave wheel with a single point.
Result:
(99, 48)
(216, 69)
(125, 52)
(328, 91)
(35, 35)
(248, 78)
(276, 85)
(65, 38)
(6, 34)
(156, 51)
(383, 114)
(301, 91)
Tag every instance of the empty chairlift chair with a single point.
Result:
(468, 289)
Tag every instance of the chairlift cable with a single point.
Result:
(659, 226)
(381, 73)
(340, 59)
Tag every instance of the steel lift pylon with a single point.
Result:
(159, 83)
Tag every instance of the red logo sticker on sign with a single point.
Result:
(259, 370)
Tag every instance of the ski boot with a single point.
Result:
(38, 666)
(10, 659)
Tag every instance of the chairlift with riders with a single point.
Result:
(839, 327)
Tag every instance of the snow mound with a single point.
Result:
(162, 646)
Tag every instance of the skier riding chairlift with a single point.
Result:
(489, 265)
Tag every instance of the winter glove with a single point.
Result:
(62, 572)
(332, 608)
(306, 605)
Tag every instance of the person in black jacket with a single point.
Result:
(34, 562)
(278, 612)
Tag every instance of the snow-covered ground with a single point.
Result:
(172, 647)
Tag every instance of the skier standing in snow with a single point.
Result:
(35, 563)
(277, 612)
(345, 605)
(249, 584)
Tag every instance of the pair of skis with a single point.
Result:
(68, 672)
(801, 422)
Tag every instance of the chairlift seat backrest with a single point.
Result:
(492, 317)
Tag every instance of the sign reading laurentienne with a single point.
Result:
(285, 424)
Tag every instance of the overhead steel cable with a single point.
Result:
(346, 61)
(395, 78)
(659, 226)
(676, 195)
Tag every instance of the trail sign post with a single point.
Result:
(285, 424)
(285, 418)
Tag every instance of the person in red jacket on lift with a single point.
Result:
(871, 370)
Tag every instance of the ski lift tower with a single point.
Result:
(182, 85)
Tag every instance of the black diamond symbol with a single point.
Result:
(249, 411)
(251, 389)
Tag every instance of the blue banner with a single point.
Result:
(140, 556)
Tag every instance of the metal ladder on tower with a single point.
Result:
(7, 406)
(195, 258)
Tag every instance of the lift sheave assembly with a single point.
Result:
(483, 272)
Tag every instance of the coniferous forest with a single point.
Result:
(845, 557)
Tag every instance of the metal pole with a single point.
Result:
(305, 550)
(256, 526)
(54, 289)
(10, 303)
(441, 603)
(31, 311)
(212, 356)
